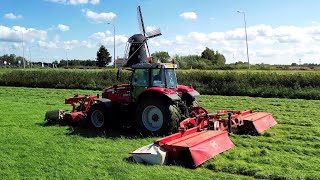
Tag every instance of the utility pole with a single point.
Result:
(114, 44)
(23, 60)
(67, 56)
(245, 29)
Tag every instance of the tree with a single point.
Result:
(20, 59)
(12, 59)
(215, 57)
(219, 59)
(162, 56)
(103, 57)
(208, 54)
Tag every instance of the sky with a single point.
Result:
(279, 32)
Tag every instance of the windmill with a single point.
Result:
(138, 43)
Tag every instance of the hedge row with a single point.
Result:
(304, 85)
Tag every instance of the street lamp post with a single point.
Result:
(24, 62)
(67, 56)
(114, 44)
(30, 56)
(245, 29)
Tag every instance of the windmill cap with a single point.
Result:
(137, 38)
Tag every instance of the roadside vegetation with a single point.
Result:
(283, 84)
(31, 150)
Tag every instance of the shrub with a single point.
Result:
(305, 85)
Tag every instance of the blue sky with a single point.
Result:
(279, 32)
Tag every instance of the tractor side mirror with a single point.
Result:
(119, 73)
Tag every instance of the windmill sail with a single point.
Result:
(140, 21)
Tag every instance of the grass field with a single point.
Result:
(30, 150)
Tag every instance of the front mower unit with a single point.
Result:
(54, 116)
(80, 107)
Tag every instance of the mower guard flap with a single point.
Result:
(258, 121)
(193, 148)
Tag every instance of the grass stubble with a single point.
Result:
(30, 150)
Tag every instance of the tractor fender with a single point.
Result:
(193, 93)
(190, 96)
(167, 94)
(188, 91)
(106, 103)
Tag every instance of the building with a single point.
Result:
(120, 62)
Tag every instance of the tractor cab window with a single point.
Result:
(140, 77)
(157, 77)
(171, 79)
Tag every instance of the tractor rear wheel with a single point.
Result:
(97, 116)
(157, 116)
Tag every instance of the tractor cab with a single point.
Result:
(154, 75)
(159, 76)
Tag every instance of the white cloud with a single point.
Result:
(14, 34)
(151, 28)
(95, 1)
(63, 27)
(93, 41)
(12, 16)
(71, 44)
(99, 17)
(197, 36)
(267, 44)
(189, 15)
(106, 38)
(75, 2)
(47, 45)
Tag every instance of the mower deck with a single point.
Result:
(258, 122)
(194, 147)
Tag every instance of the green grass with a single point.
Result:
(29, 150)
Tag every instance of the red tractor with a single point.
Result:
(153, 99)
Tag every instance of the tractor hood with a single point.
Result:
(118, 93)
(187, 89)
(116, 87)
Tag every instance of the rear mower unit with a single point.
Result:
(155, 104)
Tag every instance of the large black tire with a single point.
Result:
(157, 116)
(97, 116)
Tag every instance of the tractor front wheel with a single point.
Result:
(156, 116)
(97, 116)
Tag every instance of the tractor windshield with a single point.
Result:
(140, 77)
(158, 77)
(171, 79)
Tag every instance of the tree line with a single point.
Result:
(209, 59)
(11, 60)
